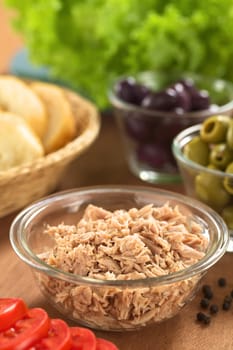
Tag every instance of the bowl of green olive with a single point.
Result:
(204, 155)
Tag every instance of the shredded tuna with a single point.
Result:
(124, 245)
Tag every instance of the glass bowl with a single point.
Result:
(202, 183)
(127, 295)
(147, 134)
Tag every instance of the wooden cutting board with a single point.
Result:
(179, 333)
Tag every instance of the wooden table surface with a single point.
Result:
(104, 163)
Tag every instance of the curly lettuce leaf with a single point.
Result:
(89, 43)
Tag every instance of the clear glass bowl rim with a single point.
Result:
(180, 140)
(20, 247)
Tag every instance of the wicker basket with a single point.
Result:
(22, 185)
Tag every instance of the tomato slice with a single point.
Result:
(58, 337)
(26, 331)
(11, 310)
(82, 339)
(103, 344)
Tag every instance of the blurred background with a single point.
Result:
(10, 41)
(88, 43)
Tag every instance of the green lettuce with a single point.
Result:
(88, 43)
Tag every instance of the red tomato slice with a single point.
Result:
(11, 310)
(26, 331)
(103, 344)
(58, 337)
(82, 339)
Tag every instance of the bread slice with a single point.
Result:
(61, 126)
(17, 97)
(18, 143)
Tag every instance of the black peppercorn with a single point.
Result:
(207, 291)
(203, 318)
(226, 306)
(213, 309)
(205, 288)
(227, 299)
(222, 282)
(200, 316)
(207, 319)
(204, 303)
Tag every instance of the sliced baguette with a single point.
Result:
(18, 143)
(17, 97)
(61, 126)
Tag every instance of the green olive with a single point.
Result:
(197, 151)
(221, 155)
(227, 215)
(229, 168)
(210, 190)
(229, 135)
(214, 129)
(212, 166)
(228, 180)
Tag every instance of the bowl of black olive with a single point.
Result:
(152, 108)
(204, 154)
